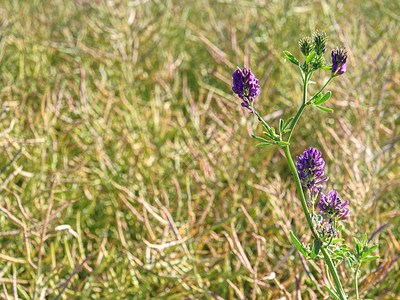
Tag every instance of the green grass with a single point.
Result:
(125, 128)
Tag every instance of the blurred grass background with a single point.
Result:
(133, 174)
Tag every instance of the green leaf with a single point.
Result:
(324, 108)
(365, 238)
(265, 144)
(369, 258)
(315, 98)
(259, 138)
(332, 293)
(357, 242)
(316, 248)
(369, 251)
(297, 243)
(267, 128)
(349, 262)
(373, 248)
(291, 58)
(269, 132)
(323, 99)
(310, 57)
(340, 255)
(287, 123)
(281, 125)
(268, 135)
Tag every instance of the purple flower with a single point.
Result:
(332, 205)
(339, 57)
(310, 168)
(246, 86)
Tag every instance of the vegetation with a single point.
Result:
(127, 171)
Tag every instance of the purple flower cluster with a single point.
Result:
(333, 206)
(310, 168)
(246, 86)
(339, 57)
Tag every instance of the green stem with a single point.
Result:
(294, 122)
(301, 74)
(336, 279)
(261, 119)
(356, 281)
(302, 107)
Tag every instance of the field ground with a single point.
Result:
(127, 167)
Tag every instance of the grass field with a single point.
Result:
(127, 166)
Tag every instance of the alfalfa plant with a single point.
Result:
(324, 211)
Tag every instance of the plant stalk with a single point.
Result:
(327, 258)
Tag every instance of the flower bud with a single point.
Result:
(320, 40)
(306, 45)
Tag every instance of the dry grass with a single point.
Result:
(132, 172)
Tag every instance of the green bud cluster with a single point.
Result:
(316, 43)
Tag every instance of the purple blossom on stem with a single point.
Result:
(310, 168)
(339, 57)
(332, 205)
(246, 86)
